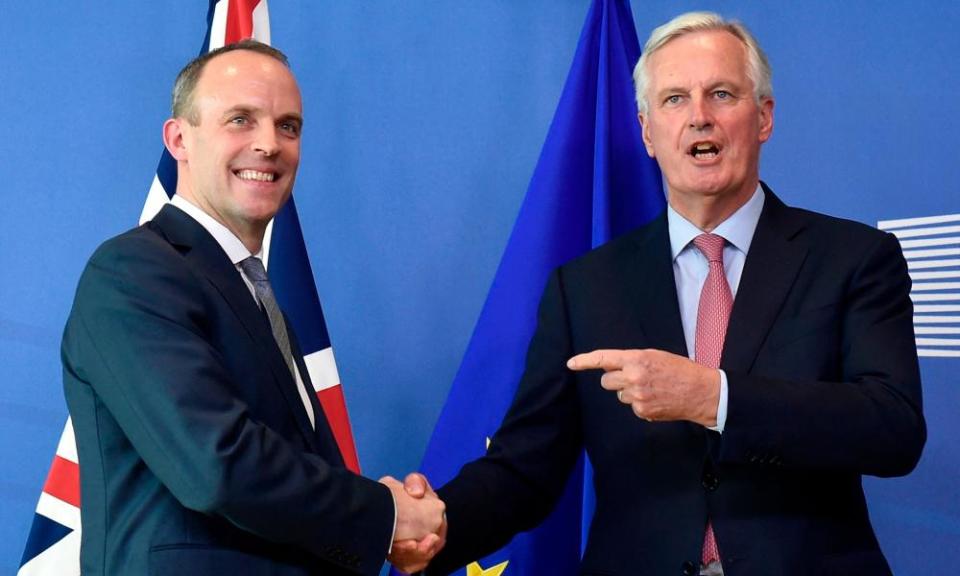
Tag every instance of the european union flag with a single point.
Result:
(593, 182)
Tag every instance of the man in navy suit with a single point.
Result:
(728, 443)
(203, 449)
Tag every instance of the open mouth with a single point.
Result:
(255, 175)
(704, 150)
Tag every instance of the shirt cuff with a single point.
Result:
(722, 405)
(393, 534)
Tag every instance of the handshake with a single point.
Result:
(421, 528)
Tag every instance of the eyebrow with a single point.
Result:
(709, 87)
(249, 110)
(236, 110)
(292, 117)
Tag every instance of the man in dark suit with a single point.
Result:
(731, 369)
(203, 449)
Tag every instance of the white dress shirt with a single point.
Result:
(690, 269)
(237, 253)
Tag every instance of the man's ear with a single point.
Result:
(647, 142)
(173, 138)
(766, 119)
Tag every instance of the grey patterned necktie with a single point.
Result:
(257, 275)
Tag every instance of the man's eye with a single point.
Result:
(290, 127)
(722, 94)
(675, 99)
(238, 120)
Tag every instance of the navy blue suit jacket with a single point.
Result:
(196, 454)
(823, 387)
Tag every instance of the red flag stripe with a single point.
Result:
(335, 408)
(63, 481)
(239, 20)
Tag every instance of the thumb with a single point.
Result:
(416, 485)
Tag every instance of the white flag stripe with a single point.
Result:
(924, 286)
(936, 330)
(936, 308)
(63, 558)
(323, 369)
(947, 297)
(58, 511)
(934, 353)
(931, 231)
(934, 275)
(67, 448)
(261, 23)
(156, 198)
(908, 254)
(903, 222)
(938, 341)
(936, 319)
(218, 26)
(265, 247)
(930, 242)
(921, 264)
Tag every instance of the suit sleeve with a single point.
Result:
(864, 413)
(139, 335)
(518, 482)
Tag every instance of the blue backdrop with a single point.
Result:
(424, 122)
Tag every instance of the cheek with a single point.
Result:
(291, 151)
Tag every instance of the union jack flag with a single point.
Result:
(53, 545)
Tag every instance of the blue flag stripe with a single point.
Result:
(44, 533)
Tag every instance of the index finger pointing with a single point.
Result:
(605, 360)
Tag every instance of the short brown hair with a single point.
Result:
(186, 82)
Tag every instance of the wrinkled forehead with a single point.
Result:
(699, 50)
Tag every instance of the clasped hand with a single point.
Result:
(421, 523)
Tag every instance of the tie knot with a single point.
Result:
(254, 269)
(711, 246)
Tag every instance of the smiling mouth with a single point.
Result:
(704, 150)
(256, 175)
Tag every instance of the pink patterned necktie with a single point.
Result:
(713, 313)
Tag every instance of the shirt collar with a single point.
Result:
(232, 245)
(738, 229)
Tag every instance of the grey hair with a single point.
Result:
(758, 67)
(186, 82)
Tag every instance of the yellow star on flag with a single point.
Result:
(475, 569)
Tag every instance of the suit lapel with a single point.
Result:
(775, 258)
(653, 297)
(203, 252)
(324, 440)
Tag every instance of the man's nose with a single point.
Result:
(701, 116)
(266, 141)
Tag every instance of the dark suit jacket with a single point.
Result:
(823, 387)
(196, 453)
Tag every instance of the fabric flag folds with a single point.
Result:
(53, 545)
(593, 181)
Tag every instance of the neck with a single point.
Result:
(250, 234)
(252, 241)
(708, 212)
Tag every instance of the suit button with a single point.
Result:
(689, 569)
(710, 481)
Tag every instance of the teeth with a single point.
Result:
(255, 175)
(704, 150)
